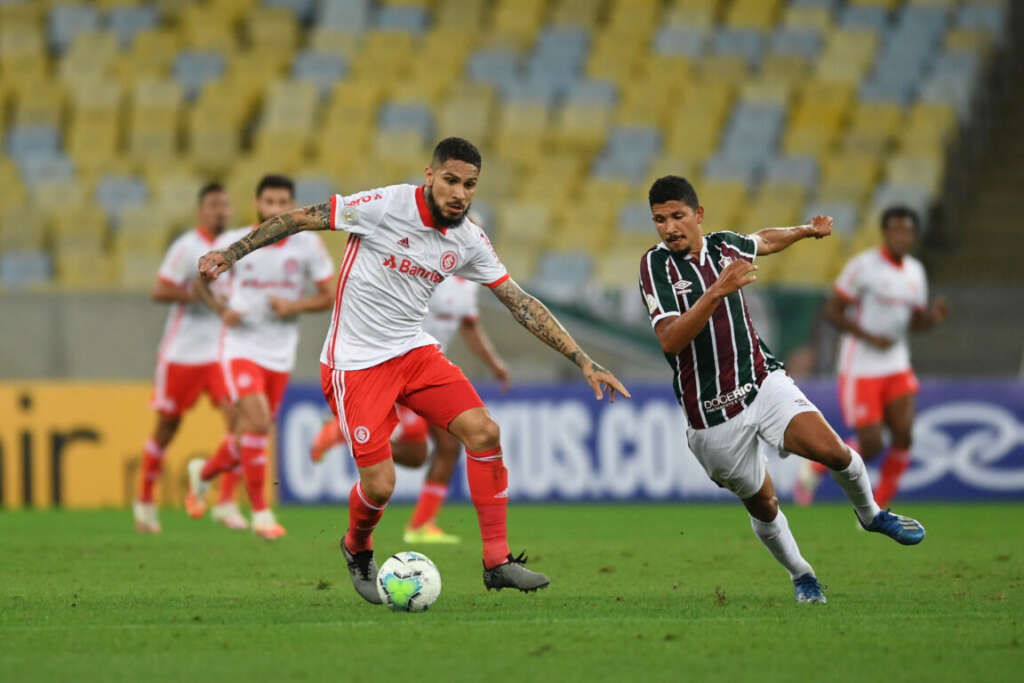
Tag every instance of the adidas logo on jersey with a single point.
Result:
(404, 242)
(683, 287)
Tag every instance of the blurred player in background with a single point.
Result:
(736, 397)
(453, 307)
(888, 291)
(403, 242)
(187, 359)
(261, 333)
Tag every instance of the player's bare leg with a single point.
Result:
(144, 507)
(771, 526)
(808, 435)
(366, 503)
(422, 527)
(224, 463)
(869, 445)
(488, 487)
(899, 418)
(409, 454)
(252, 434)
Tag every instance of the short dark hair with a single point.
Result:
(672, 188)
(900, 211)
(209, 188)
(275, 181)
(459, 149)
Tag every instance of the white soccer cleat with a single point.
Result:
(195, 499)
(265, 525)
(229, 515)
(146, 520)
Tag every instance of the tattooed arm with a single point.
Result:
(535, 316)
(315, 217)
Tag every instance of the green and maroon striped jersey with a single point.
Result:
(718, 374)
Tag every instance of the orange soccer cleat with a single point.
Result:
(330, 435)
(265, 525)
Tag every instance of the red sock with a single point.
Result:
(228, 482)
(152, 465)
(223, 460)
(431, 496)
(363, 515)
(253, 452)
(488, 487)
(896, 462)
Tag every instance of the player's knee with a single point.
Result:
(485, 436)
(834, 455)
(379, 486)
(902, 439)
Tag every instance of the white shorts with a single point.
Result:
(734, 452)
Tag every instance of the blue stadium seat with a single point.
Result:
(126, 22)
(561, 276)
(864, 17)
(41, 168)
(688, 41)
(635, 217)
(414, 117)
(32, 140)
(799, 170)
(194, 68)
(302, 9)
(798, 41)
(745, 43)
(25, 268)
(844, 216)
(322, 69)
(493, 67)
(310, 189)
(344, 16)
(596, 92)
(67, 21)
(115, 193)
(409, 19)
(983, 16)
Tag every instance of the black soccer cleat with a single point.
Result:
(363, 570)
(512, 573)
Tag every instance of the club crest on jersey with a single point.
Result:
(725, 261)
(361, 434)
(449, 260)
(682, 287)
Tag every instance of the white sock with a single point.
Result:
(779, 540)
(856, 485)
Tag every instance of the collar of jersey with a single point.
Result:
(689, 257)
(890, 258)
(425, 215)
(204, 234)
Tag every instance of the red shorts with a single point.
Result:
(246, 377)
(863, 399)
(422, 380)
(178, 386)
(411, 427)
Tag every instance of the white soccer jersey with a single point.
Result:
(885, 294)
(282, 270)
(394, 260)
(453, 301)
(192, 331)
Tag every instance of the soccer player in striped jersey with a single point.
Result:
(887, 290)
(735, 395)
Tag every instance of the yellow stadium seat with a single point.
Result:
(53, 197)
(672, 165)
(41, 105)
(517, 21)
(471, 112)
(873, 125)
(887, 4)
(149, 57)
(521, 130)
(576, 13)
(803, 16)
(767, 92)
(809, 263)
(175, 196)
(917, 171)
(290, 105)
(727, 68)
(21, 47)
(334, 42)
(581, 127)
(89, 57)
(22, 228)
(523, 222)
(204, 29)
(12, 191)
(849, 176)
(520, 261)
(135, 271)
(271, 26)
(462, 14)
(752, 14)
(788, 69)
(590, 231)
(967, 40)
(86, 228)
(619, 268)
(724, 202)
(847, 56)
(83, 269)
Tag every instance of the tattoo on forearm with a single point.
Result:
(534, 316)
(315, 217)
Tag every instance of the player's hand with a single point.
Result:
(282, 307)
(940, 310)
(737, 274)
(881, 343)
(820, 226)
(500, 372)
(213, 263)
(600, 380)
(231, 318)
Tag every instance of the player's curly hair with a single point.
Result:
(275, 181)
(673, 188)
(899, 211)
(459, 149)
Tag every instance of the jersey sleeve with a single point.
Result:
(482, 264)
(744, 245)
(656, 287)
(320, 266)
(177, 268)
(921, 300)
(849, 286)
(362, 212)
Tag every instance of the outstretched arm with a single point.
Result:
(166, 292)
(927, 318)
(772, 240)
(315, 217)
(535, 316)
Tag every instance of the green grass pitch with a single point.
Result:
(639, 593)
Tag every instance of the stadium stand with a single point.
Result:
(777, 109)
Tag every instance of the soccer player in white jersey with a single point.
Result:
(187, 357)
(887, 290)
(268, 292)
(453, 308)
(404, 241)
(737, 399)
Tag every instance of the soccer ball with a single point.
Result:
(408, 582)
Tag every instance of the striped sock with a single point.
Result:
(896, 462)
(431, 496)
(363, 515)
(152, 466)
(253, 452)
(488, 487)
